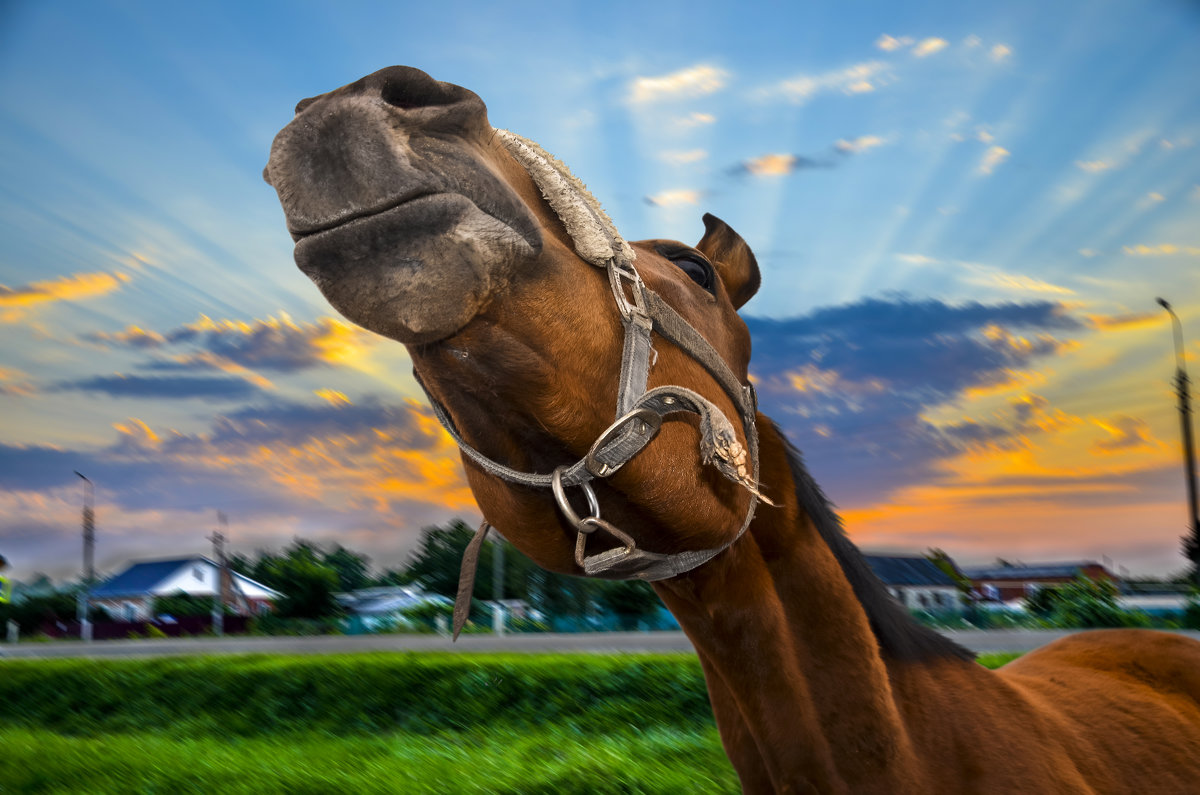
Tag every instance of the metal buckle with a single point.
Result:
(615, 274)
(564, 505)
(650, 424)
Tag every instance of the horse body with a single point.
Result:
(417, 223)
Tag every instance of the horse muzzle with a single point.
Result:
(397, 217)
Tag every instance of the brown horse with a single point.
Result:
(419, 221)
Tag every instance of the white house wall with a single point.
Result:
(198, 578)
(205, 584)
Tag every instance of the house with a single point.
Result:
(130, 595)
(384, 608)
(1010, 582)
(916, 582)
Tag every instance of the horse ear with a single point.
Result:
(733, 259)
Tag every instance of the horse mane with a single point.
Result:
(899, 635)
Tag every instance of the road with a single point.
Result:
(595, 642)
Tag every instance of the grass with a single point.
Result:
(366, 723)
(659, 761)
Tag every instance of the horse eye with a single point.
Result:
(696, 270)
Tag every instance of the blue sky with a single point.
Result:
(963, 214)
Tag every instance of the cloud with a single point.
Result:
(14, 382)
(280, 344)
(131, 337)
(889, 43)
(680, 158)
(333, 396)
(917, 259)
(277, 344)
(676, 197)
(696, 119)
(858, 78)
(988, 276)
(1125, 321)
(1088, 252)
(81, 286)
(1155, 197)
(1094, 166)
(867, 373)
(1160, 250)
(693, 81)
(171, 387)
(1000, 52)
(858, 145)
(994, 156)
(927, 47)
(1124, 433)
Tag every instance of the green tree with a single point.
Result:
(437, 563)
(305, 580)
(1082, 603)
(352, 568)
(940, 559)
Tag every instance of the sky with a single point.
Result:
(963, 213)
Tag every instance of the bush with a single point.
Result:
(423, 693)
(1083, 603)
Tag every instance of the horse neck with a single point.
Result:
(794, 669)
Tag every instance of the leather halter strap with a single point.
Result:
(639, 412)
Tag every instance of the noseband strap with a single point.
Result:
(639, 412)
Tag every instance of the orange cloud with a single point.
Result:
(406, 457)
(1125, 433)
(1126, 321)
(68, 288)
(15, 382)
(772, 165)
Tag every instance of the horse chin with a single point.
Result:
(420, 271)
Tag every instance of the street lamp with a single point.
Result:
(1191, 542)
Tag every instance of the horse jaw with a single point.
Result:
(400, 214)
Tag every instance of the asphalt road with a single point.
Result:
(597, 642)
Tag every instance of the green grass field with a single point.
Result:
(362, 724)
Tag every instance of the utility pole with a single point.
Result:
(218, 610)
(89, 556)
(1191, 542)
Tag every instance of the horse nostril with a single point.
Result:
(409, 94)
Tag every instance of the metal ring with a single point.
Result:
(651, 422)
(564, 505)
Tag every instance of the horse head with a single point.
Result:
(420, 222)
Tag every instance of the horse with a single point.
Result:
(527, 317)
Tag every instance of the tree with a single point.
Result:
(940, 559)
(1082, 603)
(351, 568)
(437, 562)
(305, 580)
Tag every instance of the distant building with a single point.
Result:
(387, 607)
(1010, 582)
(916, 582)
(130, 595)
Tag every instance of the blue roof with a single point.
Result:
(141, 578)
(908, 571)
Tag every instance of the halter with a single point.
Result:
(639, 412)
